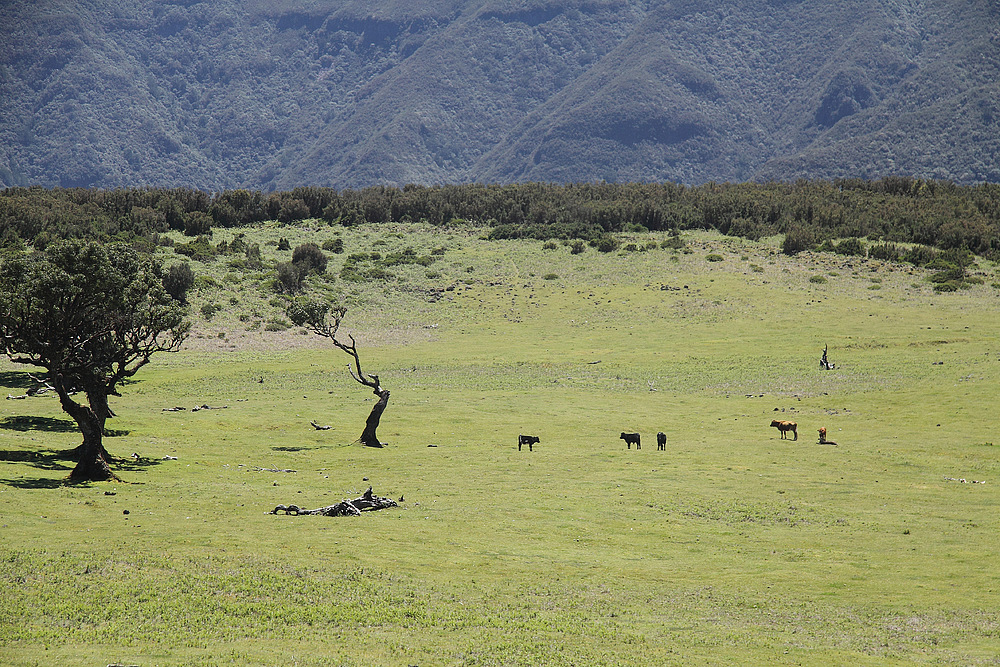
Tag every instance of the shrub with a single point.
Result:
(336, 246)
(550, 276)
(605, 243)
(309, 258)
(796, 240)
(205, 283)
(851, 246)
(254, 260)
(290, 277)
(819, 280)
(11, 240)
(549, 245)
(292, 210)
(405, 256)
(714, 257)
(746, 228)
(888, 252)
(238, 246)
(200, 249)
(197, 223)
(178, 280)
(919, 255)
(209, 310)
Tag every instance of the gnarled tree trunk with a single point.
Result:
(368, 437)
(92, 465)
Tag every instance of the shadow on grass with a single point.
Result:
(62, 461)
(16, 380)
(44, 460)
(52, 425)
(291, 449)
(41, 460)
(37, 483)
(29, 423)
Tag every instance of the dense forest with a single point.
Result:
(269, 96)
(811, 214)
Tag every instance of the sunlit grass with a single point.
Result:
(732, 547)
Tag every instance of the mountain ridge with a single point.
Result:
(274, 95)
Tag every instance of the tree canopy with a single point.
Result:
(92, 315)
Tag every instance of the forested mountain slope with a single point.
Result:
(277, 94)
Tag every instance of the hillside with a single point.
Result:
(273, 95)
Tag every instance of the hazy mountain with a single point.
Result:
(275, 94)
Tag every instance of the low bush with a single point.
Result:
(797, 240)
(209, 310)
(178, 280)
(200, 249)
(290, 277)
(889, 252)
(309, 258)
(605, 243)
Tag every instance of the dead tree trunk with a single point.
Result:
(823, 363)
(366, 503)
(368, 437)
(313, 316)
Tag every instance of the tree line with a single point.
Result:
(938, 214)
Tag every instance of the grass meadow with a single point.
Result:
(732, 547)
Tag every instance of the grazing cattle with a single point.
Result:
(822, 438)
(528, 440)
(785, 427)
(630, 438)
(661, 441)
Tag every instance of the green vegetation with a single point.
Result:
(733, 547)
(849, 217)
(91, 316)
(226, 95)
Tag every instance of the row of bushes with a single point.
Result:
(900, 210)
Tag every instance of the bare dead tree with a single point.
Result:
(368, 502)
(823, 363)
(325, 321)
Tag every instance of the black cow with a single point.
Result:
(528, 440)
(629, 438)
(661, 440)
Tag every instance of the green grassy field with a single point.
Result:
(731, 547)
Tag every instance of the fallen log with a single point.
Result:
(318, 427)
(366, 503)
